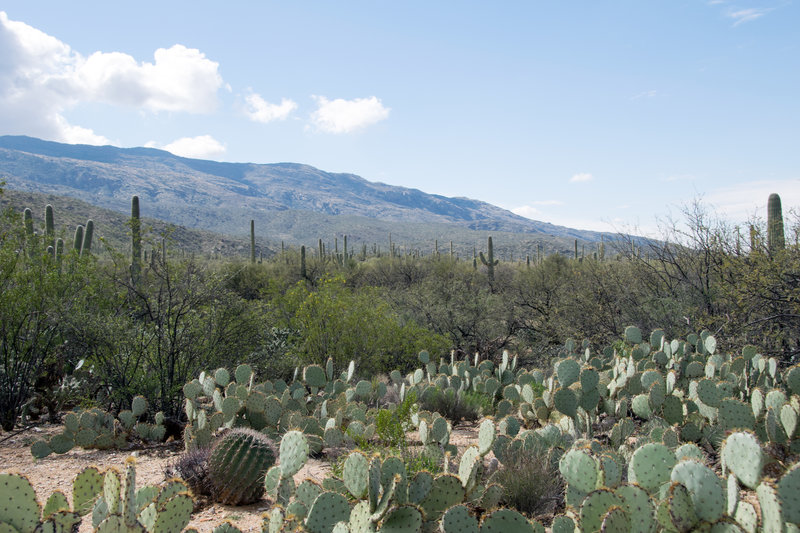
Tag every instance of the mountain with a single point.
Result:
(294, 202)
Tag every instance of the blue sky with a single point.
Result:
(597, 115)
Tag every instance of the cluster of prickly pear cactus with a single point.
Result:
(120, 507)
(21, 511)
(682, 392)
(659, 409)
(379, 495)
(97, 429)
(317, 401)
(674, 489)
(112, 499)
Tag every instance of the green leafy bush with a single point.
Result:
(456, 405)
(391, 425)
(37, 292)
(339, 322)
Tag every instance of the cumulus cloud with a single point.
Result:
(41, 78)
(180, 79)
(200, 147)
(345, 116)
(581, 177)
(259, 110)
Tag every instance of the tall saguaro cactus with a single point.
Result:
(775, 237)
(490, 262)
(136, 239)
(27, 217)
(78, 241)
(49, 225)
(252, 241)
(303, 273)
(88, 232)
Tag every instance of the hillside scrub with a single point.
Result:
(182, 314)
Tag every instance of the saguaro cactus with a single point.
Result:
(775, 237)
(303, 262)
(88, 232)
(252, 241)
(27, 216)
(136, 239)
(491, 262)
(78, 242)
(49, 225)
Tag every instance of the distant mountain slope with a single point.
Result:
(222, 197)
(290, 227)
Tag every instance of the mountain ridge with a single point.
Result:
(219, 196)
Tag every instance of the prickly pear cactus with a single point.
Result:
(355, 474)
(705, 489)
(18, 504)
(742, 455)
(293, 452)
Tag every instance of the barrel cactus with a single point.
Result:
(237, 464)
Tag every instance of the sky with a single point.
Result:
(606, 115)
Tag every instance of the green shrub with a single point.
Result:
(456, 405)
(342, 323)
(391, 425)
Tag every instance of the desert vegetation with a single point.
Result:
(643, 385)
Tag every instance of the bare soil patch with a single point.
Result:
(56, 472)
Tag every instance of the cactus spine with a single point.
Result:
(775, 237)
(491, 262)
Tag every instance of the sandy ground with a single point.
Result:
(56, 472)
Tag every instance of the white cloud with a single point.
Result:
(259, 110)
(345, 116)
(180, 79)
(41, 78)
(740, 16)
(72, 134)
(526, 211)
(743, 200)
(200, 147)
(582, 177)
